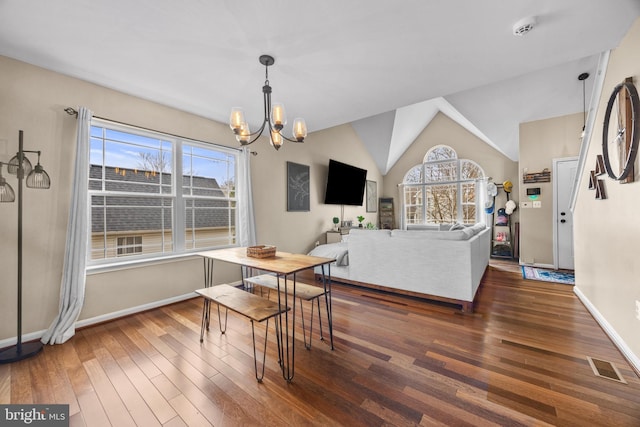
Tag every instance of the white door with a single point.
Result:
(565, 174)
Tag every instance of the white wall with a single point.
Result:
(443, 130)
(541, 142)
(607, 232)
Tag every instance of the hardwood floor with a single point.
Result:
(519, 360)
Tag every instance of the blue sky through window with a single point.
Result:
(126, 150)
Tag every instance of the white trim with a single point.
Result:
(633, 360)
(538, 265)
(591, 117)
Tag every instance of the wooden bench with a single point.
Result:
(252, 306)
(304, 291)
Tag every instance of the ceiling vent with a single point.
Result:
(523, 26)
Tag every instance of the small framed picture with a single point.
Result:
(297, 187)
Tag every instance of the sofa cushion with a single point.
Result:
(456, 226)
(332, 250)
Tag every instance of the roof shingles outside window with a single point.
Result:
(142, 213)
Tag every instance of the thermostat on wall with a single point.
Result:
(533, 193)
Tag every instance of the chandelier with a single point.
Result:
(274, 117)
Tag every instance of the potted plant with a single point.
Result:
(336, 220)
(360, 219)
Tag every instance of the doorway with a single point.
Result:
(564, 171)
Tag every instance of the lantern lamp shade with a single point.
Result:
(12, 166)
(6, 192)
(38, 178)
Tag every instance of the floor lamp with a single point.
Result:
(35, 178)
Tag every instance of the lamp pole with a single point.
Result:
(20, 351)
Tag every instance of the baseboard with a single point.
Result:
(633, 360)
(102, 318)
(132, 310)
(535, 264)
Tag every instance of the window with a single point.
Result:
(129, 245)
(442, 189)
(153, 194)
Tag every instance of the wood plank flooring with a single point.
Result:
(519, 360)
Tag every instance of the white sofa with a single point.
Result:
(440, 265)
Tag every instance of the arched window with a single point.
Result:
(443, 189)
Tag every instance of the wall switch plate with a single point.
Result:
(525, 205)
(537, 204)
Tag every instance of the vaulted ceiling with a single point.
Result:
(386, 67)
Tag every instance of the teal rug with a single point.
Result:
(535, 273)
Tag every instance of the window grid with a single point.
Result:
(442, 189)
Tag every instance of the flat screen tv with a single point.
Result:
(345, 184)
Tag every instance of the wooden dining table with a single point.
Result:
(285, 266)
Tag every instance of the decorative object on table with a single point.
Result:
(531, 178)
(620, 131)
(545, 275)
(336, 221)
(370, 226)
(36, 177)
(261, 251)
(297, 187)
(274, 117)
(372, 196)
(360, 218)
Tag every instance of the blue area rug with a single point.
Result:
(535, 273)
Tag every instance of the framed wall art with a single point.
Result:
(372, 196)
(297, 187)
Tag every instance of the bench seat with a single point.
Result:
(255, 308)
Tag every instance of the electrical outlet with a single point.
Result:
(525, 205)
(537, 204)
(637, 309)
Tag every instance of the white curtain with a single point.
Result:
(403, 216)
(483, 198)
(246, 218)
(75, 259)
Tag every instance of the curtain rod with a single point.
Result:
(73, 112)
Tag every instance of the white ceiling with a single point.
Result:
(386, 66)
